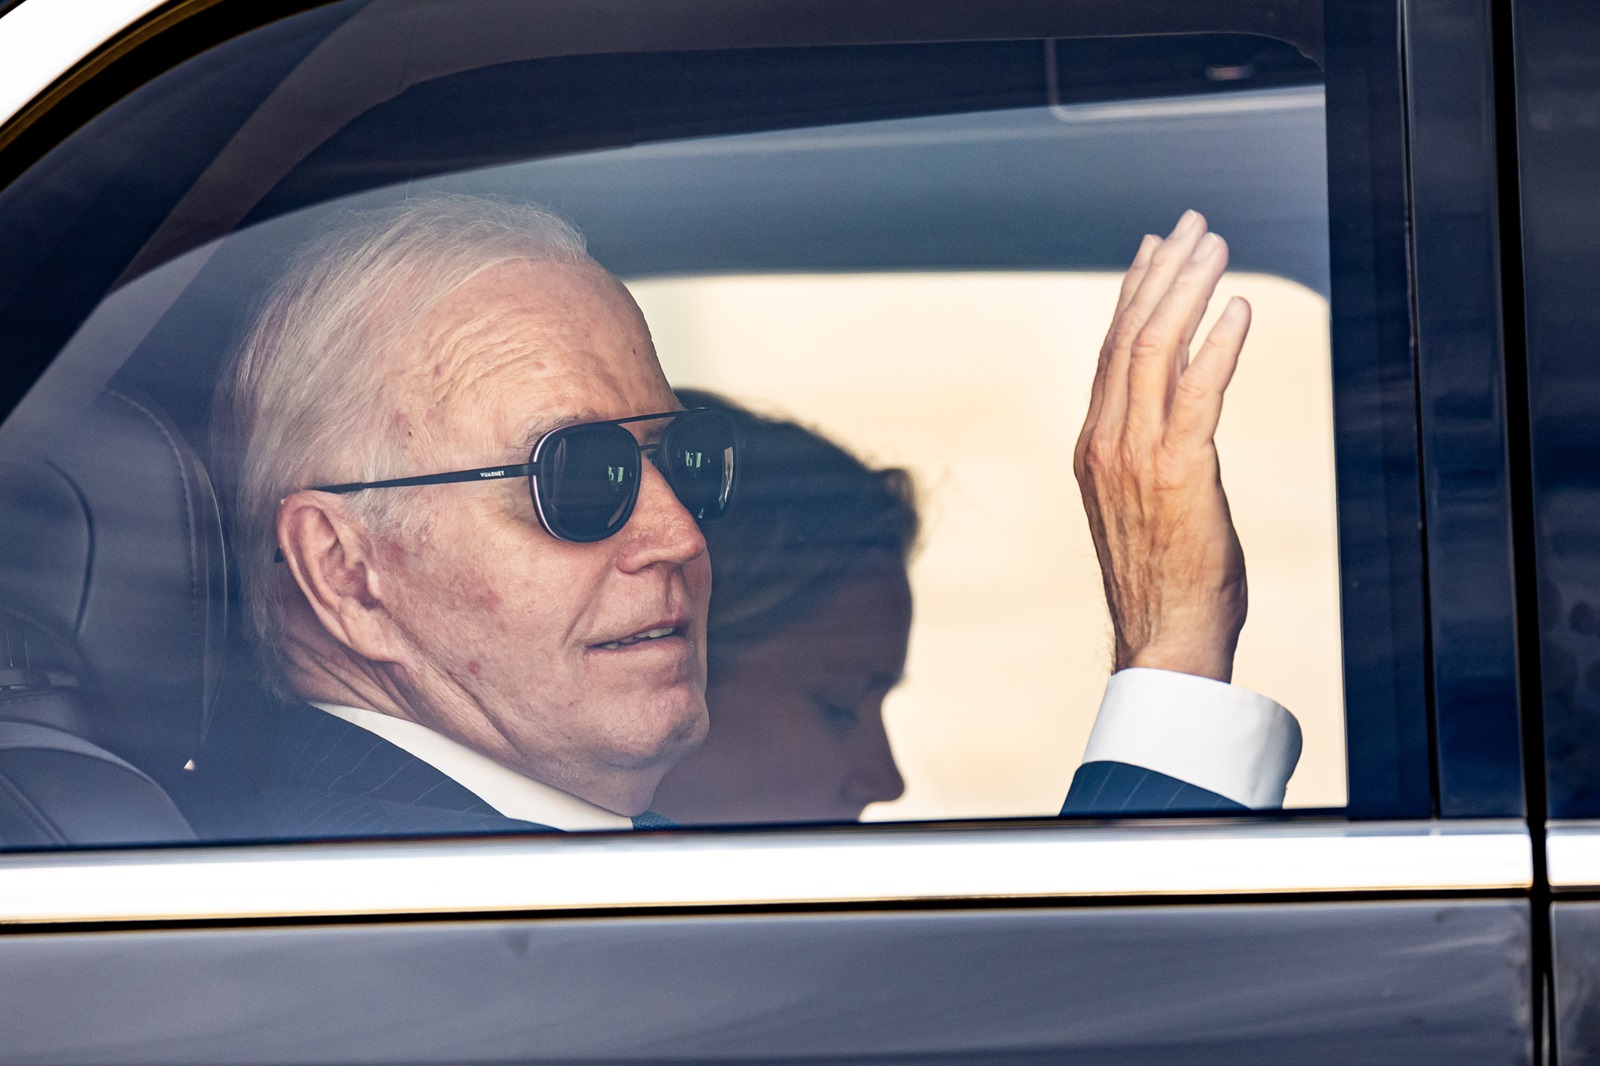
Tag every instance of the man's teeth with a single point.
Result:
(649, 634)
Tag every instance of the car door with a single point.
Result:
(790, 157)
(1552, 76)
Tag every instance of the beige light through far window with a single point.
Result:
(978, 383)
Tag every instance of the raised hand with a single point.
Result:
(1147, 464)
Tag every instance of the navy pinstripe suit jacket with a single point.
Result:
(328, 778)
(1117, 788)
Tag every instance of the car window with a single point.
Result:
(735, 398)
(977, 583)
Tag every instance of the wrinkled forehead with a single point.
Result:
(546, 341)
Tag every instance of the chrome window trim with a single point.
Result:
(41, 41)
(1572, 854)
(670, 869)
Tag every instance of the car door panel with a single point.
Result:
(1371, 982)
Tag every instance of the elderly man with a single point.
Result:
(489, 613)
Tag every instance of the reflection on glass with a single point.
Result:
(949, 342)
(810, 616)
(976, 383)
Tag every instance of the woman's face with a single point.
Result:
(797, 720)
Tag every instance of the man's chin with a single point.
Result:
(640, 775)
(678, 731)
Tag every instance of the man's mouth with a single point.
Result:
(640, 638)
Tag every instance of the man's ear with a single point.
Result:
(335, 567)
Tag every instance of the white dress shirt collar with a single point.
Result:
(507, 791)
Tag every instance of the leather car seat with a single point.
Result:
(113, 607)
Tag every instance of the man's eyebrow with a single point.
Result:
(544, 425)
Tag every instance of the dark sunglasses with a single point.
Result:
(584, 478)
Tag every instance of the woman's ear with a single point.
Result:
(337, 572)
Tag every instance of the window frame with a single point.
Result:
(1388, 724)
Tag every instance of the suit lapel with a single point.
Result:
(319, 752)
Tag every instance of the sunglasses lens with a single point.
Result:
(588, 479)
(698, 461)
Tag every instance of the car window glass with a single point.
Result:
(894, 291)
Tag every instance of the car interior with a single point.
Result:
(122, 626)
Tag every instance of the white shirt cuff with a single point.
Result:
(1208, 733)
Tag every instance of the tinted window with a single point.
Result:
(889, 267)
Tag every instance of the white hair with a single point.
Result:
(303, 403)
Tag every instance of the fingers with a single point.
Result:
(1136, 273)
(1160, 349)
(1144, 362)
(1130, 284)
(1209, 263)
(1197, 405)
(1167, 260)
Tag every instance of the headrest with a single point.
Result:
(112, 564)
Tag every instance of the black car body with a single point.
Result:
(1442, 913)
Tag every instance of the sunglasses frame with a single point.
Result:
(530, 471)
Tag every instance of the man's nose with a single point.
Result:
(660, 530)
(875, 777)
